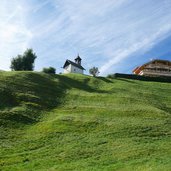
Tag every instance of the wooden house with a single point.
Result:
(155, 67)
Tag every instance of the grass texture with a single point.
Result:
(79, 123)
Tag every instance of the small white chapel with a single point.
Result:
(73, 67)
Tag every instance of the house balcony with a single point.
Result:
(159, 66)
(156, 72)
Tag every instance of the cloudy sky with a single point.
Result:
(114, 35)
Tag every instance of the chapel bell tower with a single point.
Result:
(78, 60)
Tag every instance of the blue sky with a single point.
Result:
(114, 35)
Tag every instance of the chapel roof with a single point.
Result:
(68, 62)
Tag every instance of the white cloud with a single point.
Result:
(143, 45)
(105, 32)
(14, 35)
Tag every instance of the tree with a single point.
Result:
(24, 62)
(94, 71)
(49, 70)
(16, 63)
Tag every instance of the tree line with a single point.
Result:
(26, 62)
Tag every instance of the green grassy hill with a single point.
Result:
(80, 123)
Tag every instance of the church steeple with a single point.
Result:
(78, 60)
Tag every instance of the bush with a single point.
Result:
(142, 78)
(111, 76)
(49, 70)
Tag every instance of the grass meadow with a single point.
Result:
(80, 123)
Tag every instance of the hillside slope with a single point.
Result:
(75, 122)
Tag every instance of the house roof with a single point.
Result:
(138, 69)
(68, 62)
(159, 61)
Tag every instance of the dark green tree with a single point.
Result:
(49, 70)
(24, 62)
(16, 63)
(94, 71)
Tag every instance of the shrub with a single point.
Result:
(49, 70)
